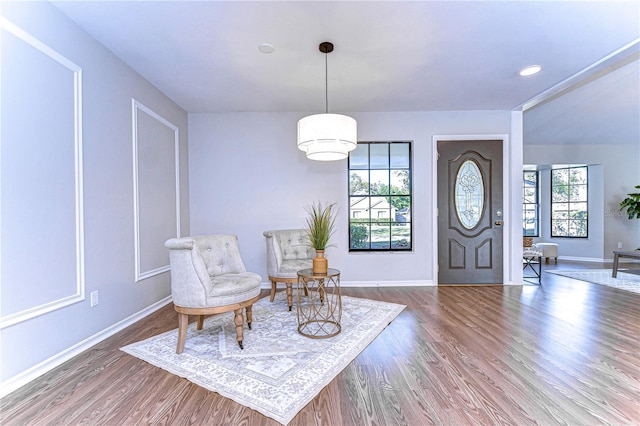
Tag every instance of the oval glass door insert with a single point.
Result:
(469, 194)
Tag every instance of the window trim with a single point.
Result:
(536, 204)
(551, 202)
(376, 220)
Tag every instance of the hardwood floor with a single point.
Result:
(566, 352)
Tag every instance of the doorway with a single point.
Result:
(470, 211)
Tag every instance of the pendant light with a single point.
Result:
(327, 137)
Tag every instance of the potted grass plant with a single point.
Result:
(632, 205)
(320, 228)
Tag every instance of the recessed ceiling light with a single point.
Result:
(266, 48)
(530, 70)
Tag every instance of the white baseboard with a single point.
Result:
(407, 283)
(594, 259)
(49, 364)
(344, 284)
(583, 259)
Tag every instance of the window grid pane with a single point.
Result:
(379, 156)
(359, 233)
(359, 182)
(380, 203)
(399, 156)
(400, 182)
(359, 158)
(379, 182)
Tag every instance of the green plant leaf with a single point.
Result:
(632, 204)
(320, 225)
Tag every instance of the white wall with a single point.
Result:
(615, 171)
(247, 176)
(49, 257)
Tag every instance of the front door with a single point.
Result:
(470, 212)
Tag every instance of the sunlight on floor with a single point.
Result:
(564, 338)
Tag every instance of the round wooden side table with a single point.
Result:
(319, 303)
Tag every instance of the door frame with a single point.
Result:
(511, 202)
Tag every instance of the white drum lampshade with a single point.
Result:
(327, 137)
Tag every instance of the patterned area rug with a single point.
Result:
(624, 281)
(279, 371)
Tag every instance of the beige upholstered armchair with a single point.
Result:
(288, 251)
(209, 277)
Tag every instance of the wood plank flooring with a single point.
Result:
(566, 352)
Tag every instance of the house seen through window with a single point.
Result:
(380, 202)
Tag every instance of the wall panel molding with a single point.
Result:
(50, 58)
(150, 153)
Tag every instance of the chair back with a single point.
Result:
(220, 254)
(194, 260)
(286, 244)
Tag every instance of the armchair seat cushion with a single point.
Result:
(290, 268)
(228, 289)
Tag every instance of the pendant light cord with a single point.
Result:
(326, 83)
(326, 48)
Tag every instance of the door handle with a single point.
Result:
(498, 223)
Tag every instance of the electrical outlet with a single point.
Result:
(619, 244)
(94, 298)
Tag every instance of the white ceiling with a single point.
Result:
(389, 55)
(604, 110)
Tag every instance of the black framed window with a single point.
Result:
(569, 202)
(380, 201)
(530, 203)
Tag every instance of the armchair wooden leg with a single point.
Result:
(273, 291)
(183, 323)
(290, 295)
(249, 313)
(239, 321)
(200, 321)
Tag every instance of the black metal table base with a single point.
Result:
(529, 264)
